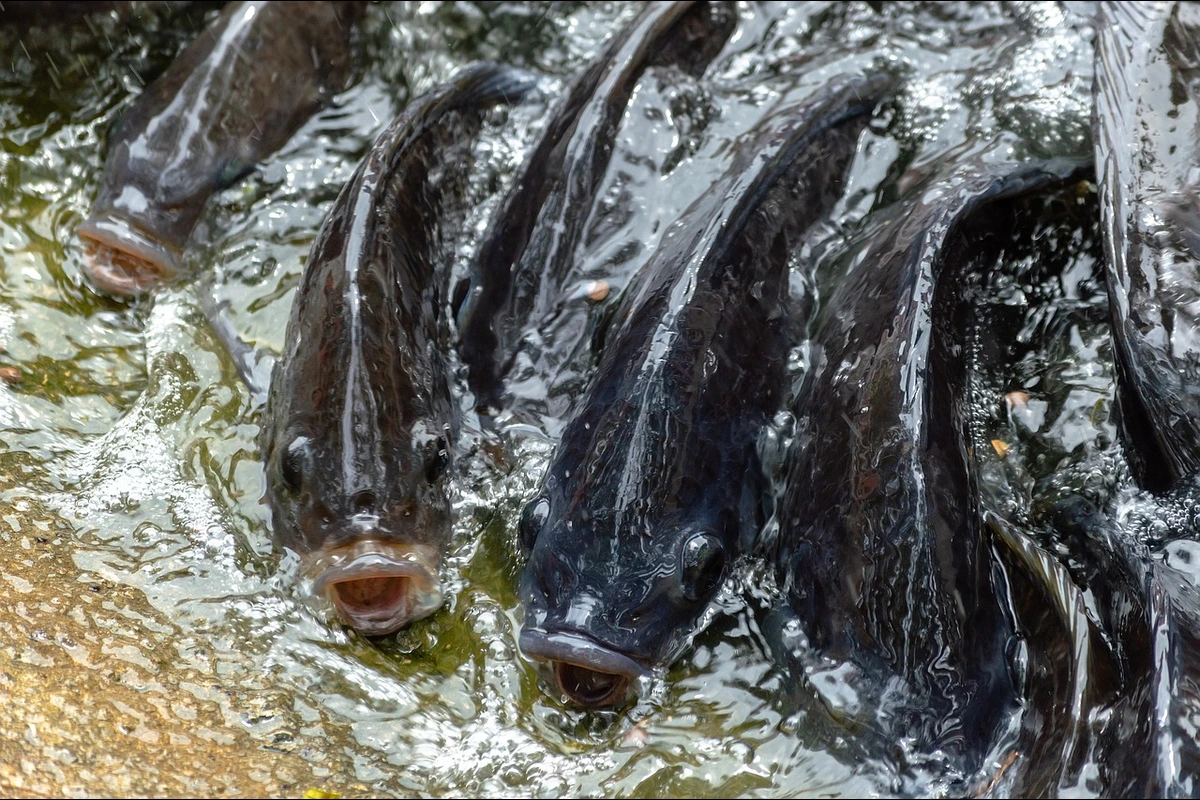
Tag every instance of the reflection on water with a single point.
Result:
(152, 642)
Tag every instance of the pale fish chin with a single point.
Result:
(378, 586)
(122, 259)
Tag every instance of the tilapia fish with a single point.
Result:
(880, 544)
(1150, 613)
(1076, 700)
(1148, 160)
(232, 97)
(653, 490)
(529, 249)
(359, 426)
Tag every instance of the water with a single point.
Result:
(153, 642)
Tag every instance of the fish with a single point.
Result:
(1107, 678)
(360, 426)
(232, 97)
(529, 249)
(1067, 675)
(1151, 615)
(1147, 87)
(879, 545)
(652, 492)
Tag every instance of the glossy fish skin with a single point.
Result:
(232, 97)
(359, 425)
(880, 547)
(529, 249)
(653, 489)
(1147, 89)
(1151, 613)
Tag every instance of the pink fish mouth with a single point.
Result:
(590, 674)
(378, 587)
(124, 260)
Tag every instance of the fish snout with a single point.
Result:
(589, 673)
(122, 259)
(377, 586)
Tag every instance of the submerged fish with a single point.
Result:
(1151, 615)
(529, 250)
(1066, 677)
(360, 425)
(881, 549)
(234, 96)
(653, 490)
(1147, 115)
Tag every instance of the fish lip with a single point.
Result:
(123, 259)
(581, 651)
(419, 596)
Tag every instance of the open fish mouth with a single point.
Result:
(378, 587)
(587, 672)
(122, 259)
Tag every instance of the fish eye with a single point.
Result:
(533, 519)
(293, 462)
(701, 566)
(437, 457)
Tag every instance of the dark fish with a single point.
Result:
(653, 489)
(234, 96)
(880, 547)
(1066, 676)
(1147, 116)
(360, 425)
(530, 248)
(1151, 615)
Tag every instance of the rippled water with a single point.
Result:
(153, 642)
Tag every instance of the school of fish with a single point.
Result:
(984, 661)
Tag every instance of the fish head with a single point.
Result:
(607, 599)
(371, 536)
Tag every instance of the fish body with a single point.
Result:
(1148, 159)
(359, 425)
(880, 545)
(653, 490)
(530, 248)
(1150, 613)
(232, 97)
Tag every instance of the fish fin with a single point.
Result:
(1131, 21)
(1063, 653)
(252, 364)
(1152, 617)
(487, 83)
(1182, 209)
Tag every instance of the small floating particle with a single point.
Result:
(595, 291)
(1000, 446)
(1017, 399)
(637, 736)
(985, 789)
(11, 375)
(495, 454)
